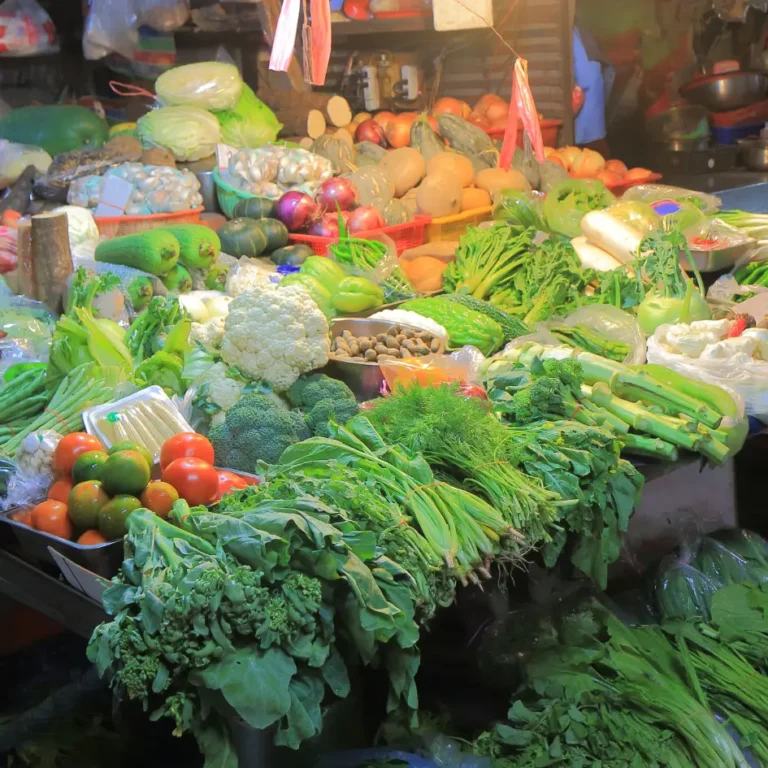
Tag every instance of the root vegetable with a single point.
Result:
(384, 118)
(371, 130)
(365, 219)
(398, 132)
(337, 192)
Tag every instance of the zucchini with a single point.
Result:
(199, 246)
(254, 208)
(243, 237)
(425, 139)
(155, 251)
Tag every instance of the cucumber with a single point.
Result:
(243, 237)
(155, 251)
(254, 208)
(199, 246)
(291, 255)
(276, 233)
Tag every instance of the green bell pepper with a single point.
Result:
(326, 271)
(357, 294)
(320, 295)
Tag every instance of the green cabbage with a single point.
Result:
(207, 85)
(187, 132)
(567, 202)
(250, 124)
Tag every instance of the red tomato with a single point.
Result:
(228, 482)
(184, 445)
(196, 480)
(70, 447)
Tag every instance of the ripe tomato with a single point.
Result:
(184, 445)
(195, 480)
(60, 490)
(52, 517)
(92, 537)
(228, 482)
(70, 447)
(159, 498)
(24, 517)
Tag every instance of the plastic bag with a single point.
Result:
(212, 85)
(636, 214)
(518, 208)
(462, 366)
(111, 27)
(14, 158)
(28, 327)
(165, 15)
(25, 29)
(651, 193)
(9, 243)
(726, 292)
(742, 376)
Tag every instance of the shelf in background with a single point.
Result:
(383, 26)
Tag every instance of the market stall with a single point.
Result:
(286, 385)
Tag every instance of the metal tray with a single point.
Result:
(103, 559)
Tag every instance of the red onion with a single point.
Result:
(326, 226)
(370, 130)
(333, 193)
(365, 219)
(296, 210)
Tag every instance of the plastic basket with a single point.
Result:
(450, 228)
(228, 196)
(549, 132)
(114, 226)
(405, 236)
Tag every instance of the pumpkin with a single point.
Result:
(425, 273)
(405, 168)
(439, 196)
(494, 179)
(254, 208)
(243, 237)
(454, 165)
(473, 198)
(449, 106)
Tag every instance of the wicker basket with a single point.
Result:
(114, 226)
(449, 228)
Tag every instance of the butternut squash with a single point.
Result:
(405, 168)
(473, 198)
(439, 196)
(452, 164)
(494, 180)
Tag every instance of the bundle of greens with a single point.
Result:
(238, 613)
(163, 325)
(652, 410)
(460, 436)
(581, 337)
(487, 260)
(600, 693)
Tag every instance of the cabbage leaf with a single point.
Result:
(250, 124)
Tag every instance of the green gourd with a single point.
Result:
(199, 246)
(155, 251)
(425, 139)
(465, 326)
(178, 279)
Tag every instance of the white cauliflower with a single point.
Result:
(275, 335)
(245, 277)
(217, 391)
(208, 334)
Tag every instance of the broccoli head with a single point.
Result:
(323, 400)
(256, 428)
(569, 371)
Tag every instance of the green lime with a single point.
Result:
(125, 472)
(88, 466)
(127, 445)
(85, 501)
(114, 514)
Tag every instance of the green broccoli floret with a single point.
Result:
(323, 400)
(568, 370)
(255, 429)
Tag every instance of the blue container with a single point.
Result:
(733, 134)
(336, 5)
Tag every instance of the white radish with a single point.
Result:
(592, 257)
(618, 239)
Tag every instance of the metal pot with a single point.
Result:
(754, 153)
(686, 123)
(727, 91)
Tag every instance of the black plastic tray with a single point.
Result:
(102, 559)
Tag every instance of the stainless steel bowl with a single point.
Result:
(730, 90)
(364, 379)
(754, 153)
(684, 123)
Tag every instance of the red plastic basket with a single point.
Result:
(113, 226)
(405, 236)
(549, 131)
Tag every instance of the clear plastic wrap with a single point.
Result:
(651, 193)
(34, 461)
(212, 85)
(686, 581)
(14, 158)
(636, 214)
(460, 367)
(744, 377)
(270, 171)
(28, 327)
(111, 27)
(25, 29)
(727, 293)
(156, 189)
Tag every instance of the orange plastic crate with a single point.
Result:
(449, 228)
(114, 226)
(405, 236)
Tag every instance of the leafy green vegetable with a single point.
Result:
(518, 209)
(162, 369)
(568, 201)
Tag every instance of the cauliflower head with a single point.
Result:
(218, 389)
(246, 277)
(208, 334)
(275, 335)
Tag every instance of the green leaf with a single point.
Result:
(215, 742)
(254, 684)
(334, 672)
(513, 737)
(519, 713)
(304, 718)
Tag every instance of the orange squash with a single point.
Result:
(425, 273)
